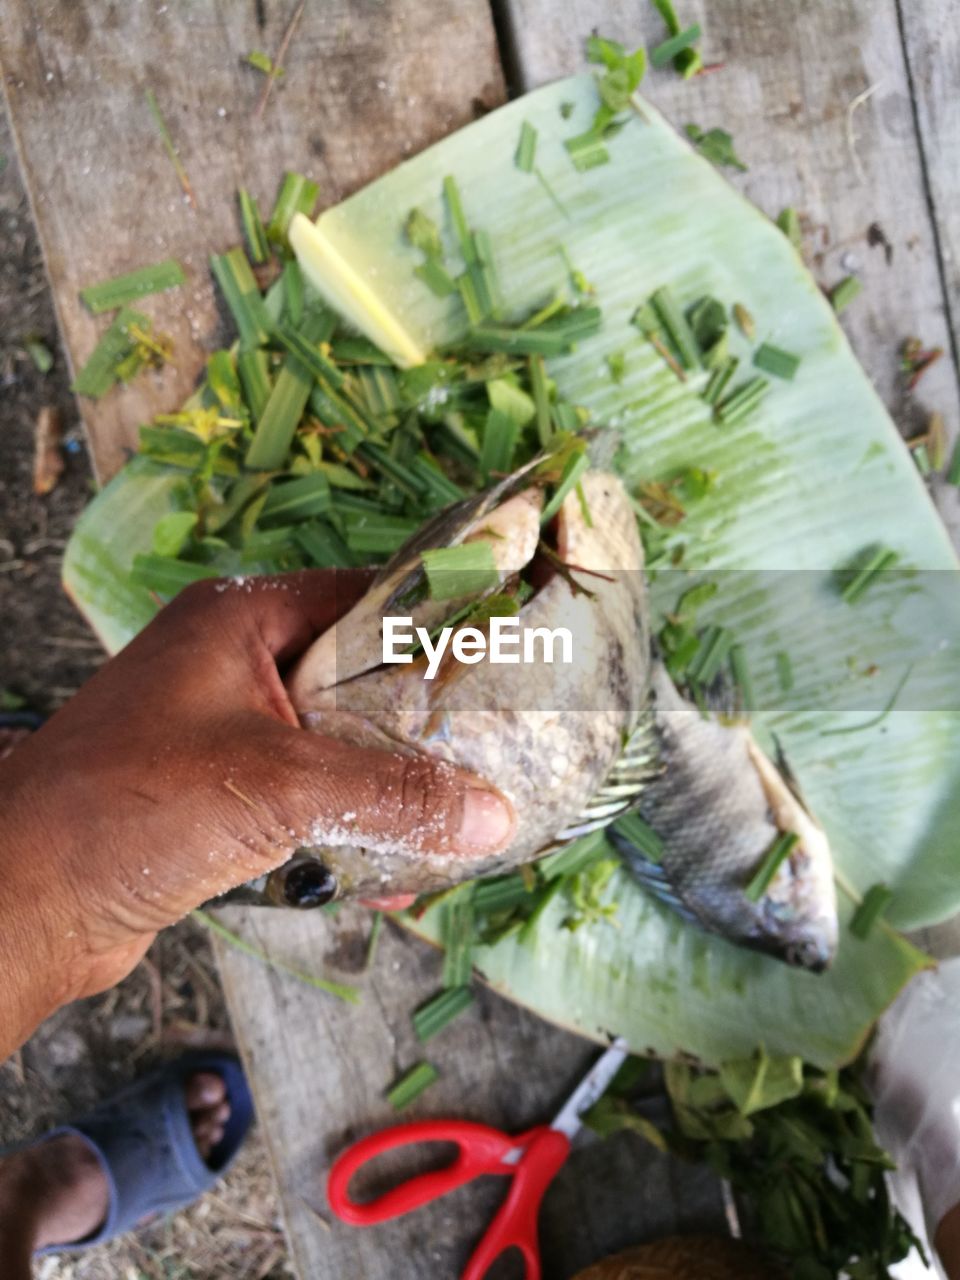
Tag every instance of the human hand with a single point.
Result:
(180, 771)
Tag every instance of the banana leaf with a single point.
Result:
(816, 475)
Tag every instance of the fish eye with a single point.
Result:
(309, 884)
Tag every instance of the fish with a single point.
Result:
(565, 743)
(573, 747)
(717, 805)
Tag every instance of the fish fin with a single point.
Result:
(650, 875)
(637, 763)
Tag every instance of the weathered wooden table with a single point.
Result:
(847, 109)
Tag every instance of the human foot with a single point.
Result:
(60, 1187)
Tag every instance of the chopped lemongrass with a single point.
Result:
(281, 416)
(293, 292)
(172, 532)
(713, 651)
(526, 148)
(541, 398)
(410, 1085)
(338, 989)
(789, 223)
(500, 894)
(741, 402)
(953, 475)
(166, 575)
(253, 370)
(745, 321)
(773, 859)
(741, 676)
(574, 469)
(298, 499)
(873, 907)
(121, 290)
(500, 433)
(842, 294)
(347, 292)
(617, 364)
(784, 670)
(544, 897)
(552, 338)
(668, 14)
(458, 939)
(667, 51)
(100, 372)
(323, 545)
(170, 149)
(306, 348)
(436, 277)
(633, 828)
(859, 579)
(467, 569)
(439, 1012)
(675, 326)
(253, 228)
(776, 361)
(719, 380)
(439, 486)
(297, 195)
(587, 150)
(573, 857)
(458, 218)
(511, 400)
(232, 273)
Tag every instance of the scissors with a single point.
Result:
(532, 1160)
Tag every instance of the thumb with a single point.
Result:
(400, 806)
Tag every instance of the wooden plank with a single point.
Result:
(789, 104)
(932, 44)
(365, 85)
(320, 1068)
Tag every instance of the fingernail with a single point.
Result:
(487, 821)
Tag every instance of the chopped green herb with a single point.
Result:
(323, 546)
(232, 273)
(715, 145)
(552, 338)
(953, 475)
(874, 905)
(788, 221)
(467, 569)
(720, 378)
(617, 364)
(668, 50)
(776, 361)
(172, 532)
(458, 939)
(842, 294)
(773, 859)
(101, 371)
(575, 467)
(526, 148)
(709, 323)
(170, 149)
(436, 277)
(39, 353)
(633, 828)
(713, 651)
(741, 402)
(872, 564)
(539, 385)
(499, 442)
(587, 150)
(299, 499)
(500, 894)
(253, 228)
(121, 290)
(297, 195)
(674, 325)
(458, 218)
(165, 574)
(410, 1085)
(439, 1012)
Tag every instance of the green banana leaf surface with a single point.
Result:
(816, 475)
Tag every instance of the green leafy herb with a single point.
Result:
(458, 938)
(499, 442)
(172, 532)
(616, 87)
(297, 195)
(720, 378)
(410, 1085)
(668, 50)
(874, 905)
(842, 294)
(716, 145)
(773, 859)
(526, 148)
(776, 361)
(39, 353)
(575, 467)
(121, 290)
(232, 273)
(464, 570)
(262, 62)
(439, 1012)
(165, 574)
(253, 229)
(688, 61)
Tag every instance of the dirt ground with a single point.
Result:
(173, 1000)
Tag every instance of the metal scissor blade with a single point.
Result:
(590, 1088)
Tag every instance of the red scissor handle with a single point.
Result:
(480, 1149)
(515, 1225)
